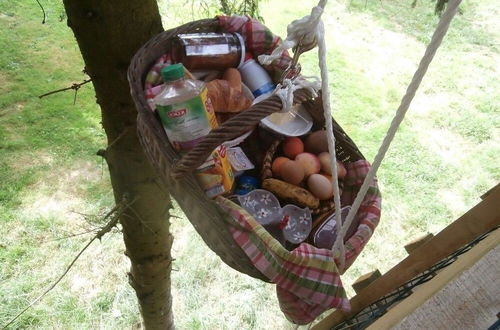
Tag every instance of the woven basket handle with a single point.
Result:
(231, 129)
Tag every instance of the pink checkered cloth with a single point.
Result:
(307, 279)
(259, 40)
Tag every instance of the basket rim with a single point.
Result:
(162, 156)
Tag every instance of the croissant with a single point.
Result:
(225, 98)
(233, 76)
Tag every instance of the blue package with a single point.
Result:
(245, 184)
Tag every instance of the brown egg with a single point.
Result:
(316, 142)
(326, 164)
(292, 172)
(328, 176)
(320, 186)
(276, 166)
(342, 171)
(292, 146)
(309, 162)
(326, 167)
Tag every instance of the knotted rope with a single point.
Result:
(310, 29)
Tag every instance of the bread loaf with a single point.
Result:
(233, 76)
(225, 98)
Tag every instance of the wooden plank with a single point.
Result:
(497, 187)
(477, 221)
(415, 244)
(429, 289)
(364, 280)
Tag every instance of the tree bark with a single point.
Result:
(108, 34)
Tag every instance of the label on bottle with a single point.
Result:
(267, 88)
(186, 123)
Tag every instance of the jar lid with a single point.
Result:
(172, 72)
(243, 49)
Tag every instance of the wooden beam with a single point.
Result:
(480, 219)
(429, 289)
(497, 187)
(364, 280)
(415, 244)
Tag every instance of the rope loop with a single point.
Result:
(287, 87)
(300, 32)
(301, 36)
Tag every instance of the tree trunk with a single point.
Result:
(108, 34)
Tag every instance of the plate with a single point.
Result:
(262, 205)
(291, 222)
(295, 122)
(326, 234)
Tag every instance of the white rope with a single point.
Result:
(311, 28)
(338, 249)
(308, 30)
(276, 54)
(302, 31)
(286, 89)
(437, 37)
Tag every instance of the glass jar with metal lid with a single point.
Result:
(208, 51)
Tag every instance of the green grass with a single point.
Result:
(445, 155)
(48, 171)
(419, 22)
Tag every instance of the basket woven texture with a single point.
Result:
(208, 219)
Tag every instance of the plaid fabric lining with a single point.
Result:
(307, 279)
(259, 40)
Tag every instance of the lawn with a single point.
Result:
(52, 185)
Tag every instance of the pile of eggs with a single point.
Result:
(307, 163)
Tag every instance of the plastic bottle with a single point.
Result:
(256, 78)
(185, 110)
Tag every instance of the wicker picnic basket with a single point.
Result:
(206, 216)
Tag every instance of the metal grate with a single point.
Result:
(372, 312)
